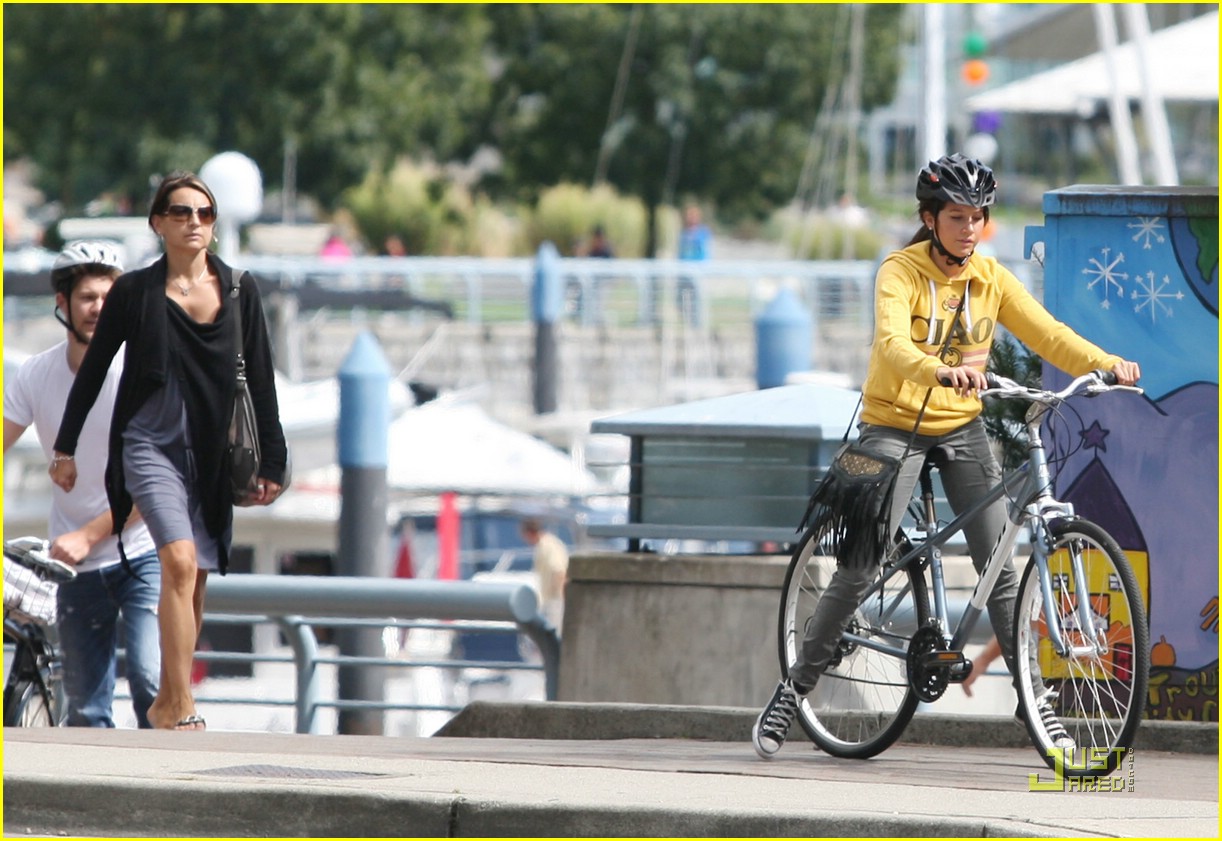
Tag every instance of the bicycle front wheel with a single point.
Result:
(1093, 691)
(28, 704)
(863, 701)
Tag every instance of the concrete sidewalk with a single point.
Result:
(141, 783)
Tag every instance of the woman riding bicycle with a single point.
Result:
(938, 283)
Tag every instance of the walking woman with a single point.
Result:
(168, 434)
(937, 286)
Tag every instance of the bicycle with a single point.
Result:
(33, 693)
(1076, 669)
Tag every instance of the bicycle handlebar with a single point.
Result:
(1092, 383)
(31, 553)
(1095, 382)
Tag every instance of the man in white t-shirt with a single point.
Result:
(91, 606)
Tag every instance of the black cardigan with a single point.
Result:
(135, 312)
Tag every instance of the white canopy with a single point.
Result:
(438, 447)
(458, 447)
(1183, 67)
(444, 446)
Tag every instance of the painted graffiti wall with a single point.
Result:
(1135, 270)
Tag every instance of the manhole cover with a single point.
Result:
(288, 772)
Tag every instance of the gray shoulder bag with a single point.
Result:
(242, 457)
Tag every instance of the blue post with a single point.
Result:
(363, 432)
(546, 305)
(364, 405)
(783, 336)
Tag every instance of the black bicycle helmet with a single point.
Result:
(957, 180)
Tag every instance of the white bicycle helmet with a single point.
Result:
(85, 252)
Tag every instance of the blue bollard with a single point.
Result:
(364, 405)
(783, 335)
(547, 292)
(546, 306)
(363, 437)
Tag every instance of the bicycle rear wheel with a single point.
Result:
(1096, 690)
(863, 701)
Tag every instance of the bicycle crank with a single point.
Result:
(930, 664)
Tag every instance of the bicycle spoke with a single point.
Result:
(863, 701)
(1096, 689)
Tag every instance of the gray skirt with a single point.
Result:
(159, 469)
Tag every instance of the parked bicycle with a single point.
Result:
(33, 693)
(1081, 637)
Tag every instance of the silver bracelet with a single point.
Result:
(57, 459)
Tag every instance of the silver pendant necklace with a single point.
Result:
(185, 288)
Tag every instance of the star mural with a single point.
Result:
(1094, 437)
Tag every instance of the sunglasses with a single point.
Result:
(183, 212)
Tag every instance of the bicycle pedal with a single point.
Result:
(954, 661)
(959, 673)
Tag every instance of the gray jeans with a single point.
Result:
(970, 471)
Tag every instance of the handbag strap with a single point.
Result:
(925, 403)
(950, 331)
(235, 295)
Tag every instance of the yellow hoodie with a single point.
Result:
(914, 302)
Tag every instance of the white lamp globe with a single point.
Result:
(981, 146)
(236, 182)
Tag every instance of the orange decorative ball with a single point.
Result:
(976, 71)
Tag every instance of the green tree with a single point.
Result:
(105, 96)
(427, 213)
(717, 100)
(1004, 418)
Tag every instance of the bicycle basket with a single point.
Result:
(29, 591)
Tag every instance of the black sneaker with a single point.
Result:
(774, 722)
(1052, 724)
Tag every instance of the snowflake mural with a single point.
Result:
(1102, 270)
(1148, 228)
(1153, 296)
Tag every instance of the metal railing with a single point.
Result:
(296, 604)
(624, 291)
(710, 294)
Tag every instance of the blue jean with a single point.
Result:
(90, 609)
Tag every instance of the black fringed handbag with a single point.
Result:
(242, 456)
(853, 501)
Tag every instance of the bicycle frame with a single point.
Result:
(1077, 689)
(1030, 488)
(35, 659)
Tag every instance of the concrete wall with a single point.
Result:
(694, 630)
(600, 368)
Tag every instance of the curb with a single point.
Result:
(112, 808)
(576, 720)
